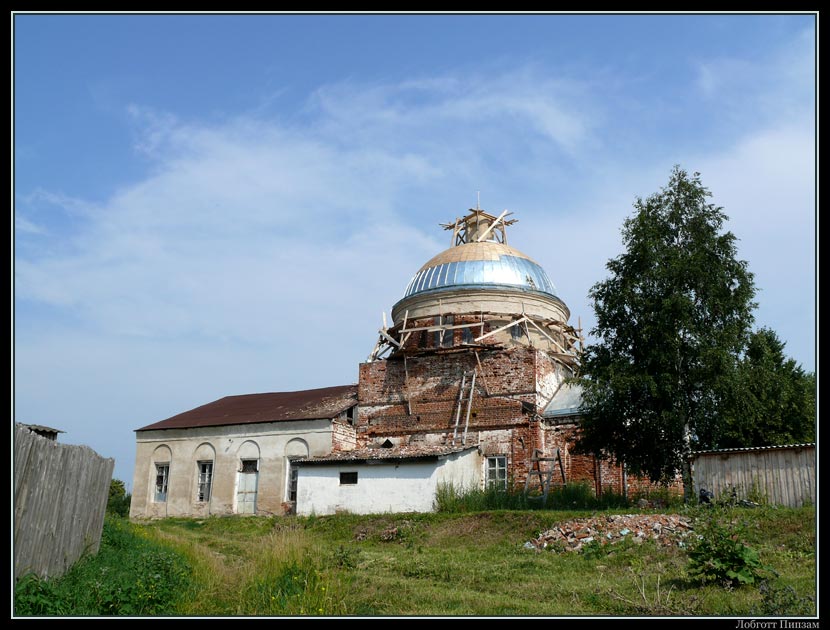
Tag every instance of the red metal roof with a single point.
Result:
(309, 404)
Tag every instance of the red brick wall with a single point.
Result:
(417, 399)
(426, 340)
(421, 393)
(602, 476)
(343, 436)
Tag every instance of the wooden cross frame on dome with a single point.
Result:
(566, 342)
(477, 226)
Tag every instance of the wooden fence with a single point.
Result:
(781, 475)
(60, 497)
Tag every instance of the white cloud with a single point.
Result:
(249, 219)
(468, 111)
(779, 83)
(22, 224)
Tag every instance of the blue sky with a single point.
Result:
(208, 205)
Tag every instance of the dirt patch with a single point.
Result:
(384, 530)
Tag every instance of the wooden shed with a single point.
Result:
(780, 475)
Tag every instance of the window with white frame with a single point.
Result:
(497, 472)
(205, 481)
(162, 475)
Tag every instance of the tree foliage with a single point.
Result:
(118, 502)
(772, 400)
(672, 320)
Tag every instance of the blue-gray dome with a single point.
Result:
(480, 265)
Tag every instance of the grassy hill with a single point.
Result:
(430, 564)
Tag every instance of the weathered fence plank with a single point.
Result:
(60, 497)
(783, 475)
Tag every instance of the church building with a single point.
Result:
(467, 385)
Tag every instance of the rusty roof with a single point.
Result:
(40, 427)
(378, 453)
(308, 404)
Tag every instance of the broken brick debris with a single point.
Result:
(664, 529)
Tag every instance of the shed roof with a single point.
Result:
(40, 427)
(749, 449)
(308, 404)
(379, 454)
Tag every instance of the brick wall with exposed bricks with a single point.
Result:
(417, 399)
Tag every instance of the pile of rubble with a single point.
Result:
(664, 529)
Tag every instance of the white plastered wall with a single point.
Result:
(383, 486)
(227, 445)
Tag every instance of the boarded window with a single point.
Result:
(162, 475)
(205, 481)
(497, 472)
(348, 478)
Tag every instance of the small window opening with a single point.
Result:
(249, 466)
(438, 333)
(517, 332)
(447, 339)
(348, 478)
(293, 475)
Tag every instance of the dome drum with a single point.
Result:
(507, 302)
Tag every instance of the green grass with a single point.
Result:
(470, 563)
(132, 574)
(573, 496)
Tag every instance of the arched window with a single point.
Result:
(160, 469)
(205, 455)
